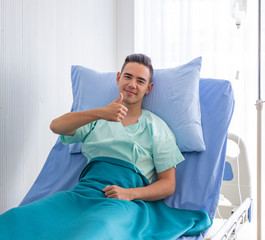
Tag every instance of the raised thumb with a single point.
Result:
(119, 100)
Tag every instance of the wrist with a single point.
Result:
(132, 194)
(97, 112)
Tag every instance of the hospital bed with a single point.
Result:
(198, 178)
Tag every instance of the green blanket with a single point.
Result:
(84, 213)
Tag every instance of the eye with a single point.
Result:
(141, 81)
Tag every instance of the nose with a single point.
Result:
(132, 84)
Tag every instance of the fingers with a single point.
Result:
(122, 114)
(117, 192)
(111, 191)
(115, 111)
(118, 110)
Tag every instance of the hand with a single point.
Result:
(116, 192)
(114, 111)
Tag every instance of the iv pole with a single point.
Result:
(259, 105)
(240, 5)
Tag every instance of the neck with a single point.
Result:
(133, 114)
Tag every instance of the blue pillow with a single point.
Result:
(174, 98)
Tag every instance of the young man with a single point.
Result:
(125, 131)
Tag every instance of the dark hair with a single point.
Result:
(142, 59)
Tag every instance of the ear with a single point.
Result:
(118, 77)
(149, 88)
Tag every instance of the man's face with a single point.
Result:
(134, 82)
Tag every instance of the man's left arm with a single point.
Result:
(162, 188)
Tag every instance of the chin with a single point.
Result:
(131, 101)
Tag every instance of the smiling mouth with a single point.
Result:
(130, 93)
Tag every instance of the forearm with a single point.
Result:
(68, 123)
(162, 188)
(158, 190)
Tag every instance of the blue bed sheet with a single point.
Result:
(84, 213)
(198, 178)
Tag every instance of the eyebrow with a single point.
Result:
(130, 75)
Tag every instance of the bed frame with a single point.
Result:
(235, 204)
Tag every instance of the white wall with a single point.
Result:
(40, 40)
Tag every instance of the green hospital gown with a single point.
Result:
(149, 144)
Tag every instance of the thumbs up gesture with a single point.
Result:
(119, 100)
(115, 111)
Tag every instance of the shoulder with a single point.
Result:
(157, 124)
(153, 118)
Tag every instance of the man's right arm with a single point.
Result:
(68, 123)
